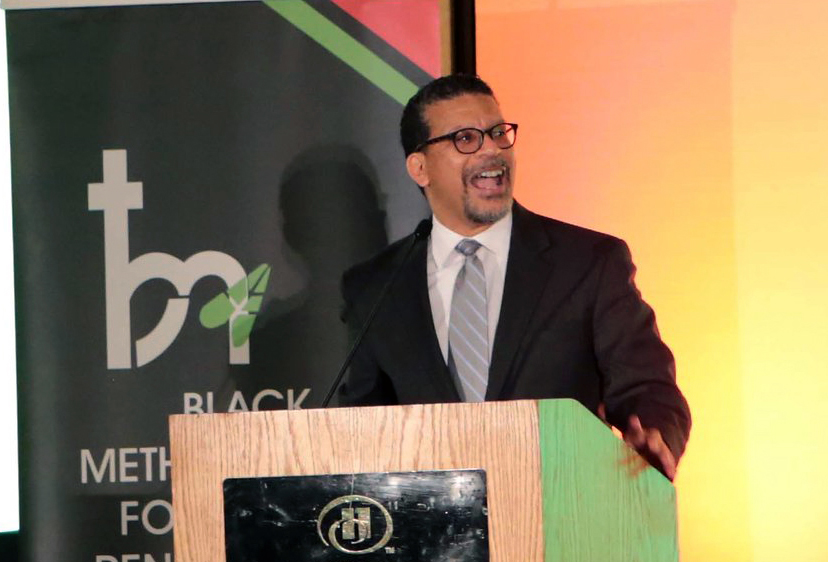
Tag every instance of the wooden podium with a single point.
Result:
(559, 484)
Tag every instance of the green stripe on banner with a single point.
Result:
(346, 48)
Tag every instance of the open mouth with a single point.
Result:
(489, 180)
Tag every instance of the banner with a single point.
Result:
(189, 183)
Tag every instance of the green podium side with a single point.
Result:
(594, 506)
(560, 485)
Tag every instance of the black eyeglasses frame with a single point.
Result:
(453, 137)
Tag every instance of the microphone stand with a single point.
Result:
(420, 233)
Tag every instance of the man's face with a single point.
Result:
(466, 192)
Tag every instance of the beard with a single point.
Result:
(487, 213)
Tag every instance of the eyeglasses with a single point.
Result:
(469, 141)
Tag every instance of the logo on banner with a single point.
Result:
(352, 525)
(236, 307)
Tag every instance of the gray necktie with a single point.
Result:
(468, 326)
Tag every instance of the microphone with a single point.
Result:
(422, 232)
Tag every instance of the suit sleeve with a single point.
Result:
(365, 383)
(639, 375)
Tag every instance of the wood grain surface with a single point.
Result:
(600, 501)
(499, 437)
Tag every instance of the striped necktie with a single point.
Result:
(468, 326)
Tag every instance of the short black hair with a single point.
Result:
(413, 127)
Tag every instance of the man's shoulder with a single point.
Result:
(562, 234)
(375, 270)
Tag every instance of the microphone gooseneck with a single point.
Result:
(422, 232)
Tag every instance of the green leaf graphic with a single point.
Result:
(258, 278)
(241, 328)
(216, 312)
(253, 304)
(238, 292)
(240, 302)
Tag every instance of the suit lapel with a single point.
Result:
(421, 350)
(527, 274)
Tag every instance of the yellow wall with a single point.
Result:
(698, 131)
(781, 201)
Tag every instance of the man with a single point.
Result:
(501, 303)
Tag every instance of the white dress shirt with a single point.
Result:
(444, 263)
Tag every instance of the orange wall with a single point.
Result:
(698, 131)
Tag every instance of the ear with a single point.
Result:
(415, 165)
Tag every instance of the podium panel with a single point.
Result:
(557, 484)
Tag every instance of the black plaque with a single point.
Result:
(401, 516)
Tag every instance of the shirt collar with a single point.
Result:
(495, 239)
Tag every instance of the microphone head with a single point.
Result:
(423, 229)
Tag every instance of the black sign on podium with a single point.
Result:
(399, 516)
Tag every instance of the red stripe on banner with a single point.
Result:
(411, 27)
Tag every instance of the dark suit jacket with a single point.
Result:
(572, 325)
